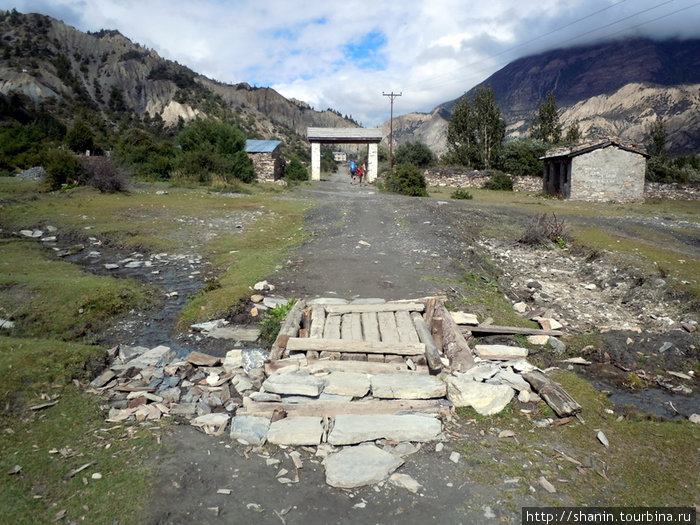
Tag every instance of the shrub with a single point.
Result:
(62, 168)
(271, 324)
(499, 181)
(461, 193)
(416, 153)
(406, 179)
(522, 157)
(546, 231)
(103, 174)
(294, 170)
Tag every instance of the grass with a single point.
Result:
(649, 463)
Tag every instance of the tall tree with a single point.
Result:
(546, 125)
(573, 133)
(656, 141)
(476, 130)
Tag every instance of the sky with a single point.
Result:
(347, 54)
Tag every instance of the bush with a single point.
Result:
(461, 193)
(499, 181)
(522, 157)
(294, 170)
(103, 174)
(546, 231)
(406, 179)
(62, 168)
(272, 322)
(663, 169)
(416, 153)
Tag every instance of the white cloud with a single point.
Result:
(432, 50)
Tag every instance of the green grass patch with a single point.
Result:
(47, 297)
(648, 463)
(245, 258)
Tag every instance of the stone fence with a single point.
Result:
(454, 177)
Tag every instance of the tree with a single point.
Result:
(546, 126)
(573, 133)
(417, 153)
(294, 170)
(522, 157)
(476, 130)
(80, 137)
(656, 138)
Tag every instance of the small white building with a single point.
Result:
(607, 170)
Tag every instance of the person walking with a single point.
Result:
(353, 172)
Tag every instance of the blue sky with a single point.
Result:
(344, 54)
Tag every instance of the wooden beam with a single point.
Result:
(365, 347)
(370, 326)
(318, 321)
(332, 328)
(379, 307)
(556, 397)
(406, 328)
(290, 328)
(387, 327)
(432, 354)
(510, 330)
(454, 344)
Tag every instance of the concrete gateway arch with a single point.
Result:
(370, 136)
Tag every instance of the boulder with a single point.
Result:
(486, 399)
(250, 430)
(358, 466)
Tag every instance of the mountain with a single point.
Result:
(612, 88)
(61, 68)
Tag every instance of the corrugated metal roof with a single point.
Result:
(344, 134)
(261, 146)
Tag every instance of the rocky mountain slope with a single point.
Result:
(58, 66)
(610, 88)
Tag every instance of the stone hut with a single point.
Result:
(606, 170)
(267, 159)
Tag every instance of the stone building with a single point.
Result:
(607, 170)
(267, 159)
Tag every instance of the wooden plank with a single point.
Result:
(429, 311)
(432, 355)
(345, 327)
(332, 327)
(436, 331)
(355, 326)
(510, 330)
(334, 408)
(318, 321)
(370, 326)
(454, 344)
(361, 367)
(406, 329)
(379, 307)
(367, 347)
(556, 397)
(387, 327)
(290, 328)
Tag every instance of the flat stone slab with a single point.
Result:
(486, 399)
(358, 466)
(510, 378)
(301, 430)
(402, 386)
(350, 429)
(148, 358)
(481, 372)
(237, 333)
(297, 382)
(251, 430)
(500, 351)
(202, 359)
(464, 318)
(347, 384)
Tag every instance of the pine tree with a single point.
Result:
(573, 133)
(546, 125)
(656, 142)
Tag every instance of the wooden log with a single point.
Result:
(332, 328)
(370, 326)
(429, 311)
(556, 397)
(290, 328)
(454, 344)
(361, 367)
(318, 321)
(432, 354)
(334, 408)
(379, 307)
(406, 328)
(509, 330)
(387, 327)
(436, 331)
(342, 345)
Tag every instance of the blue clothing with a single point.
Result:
(353, 167)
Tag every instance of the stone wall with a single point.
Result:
(268, 166)
(455, 177)
(608, 174)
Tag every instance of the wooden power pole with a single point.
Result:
(392, 96)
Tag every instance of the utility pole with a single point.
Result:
(392, 96)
